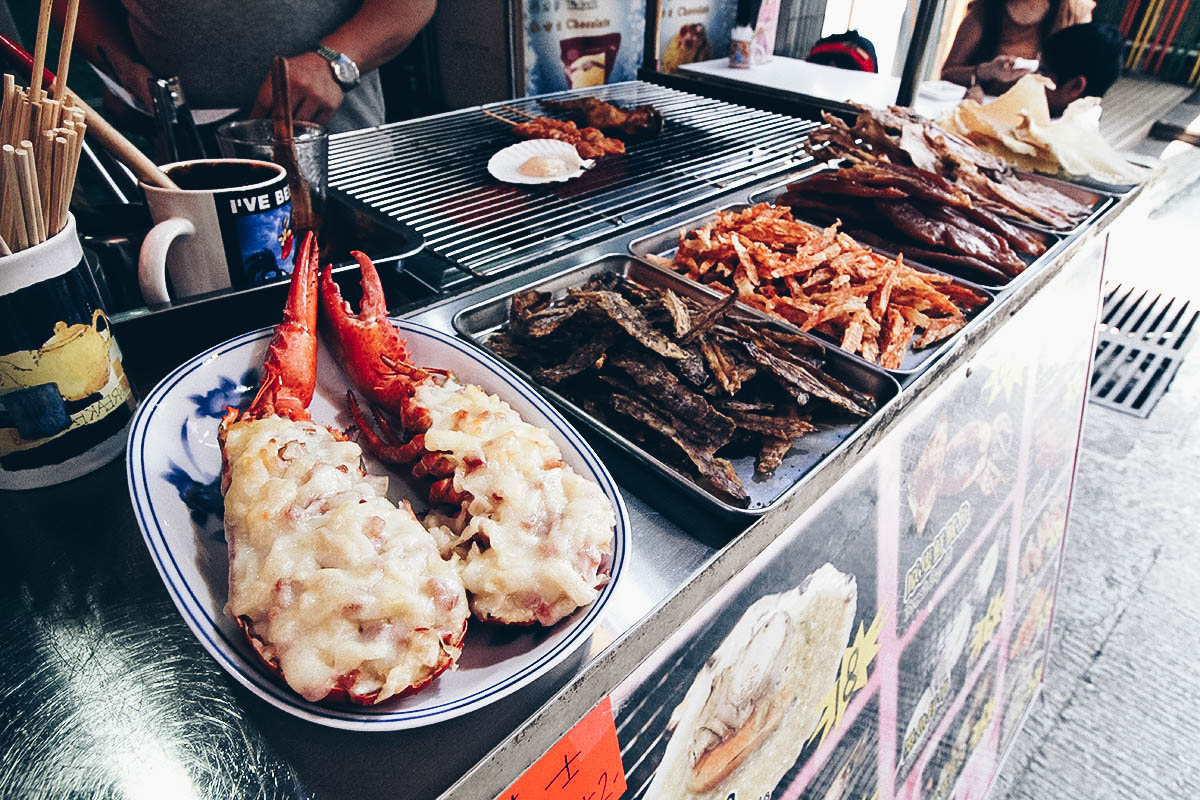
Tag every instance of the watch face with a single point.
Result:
(345, 71)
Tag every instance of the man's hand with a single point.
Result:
(1000, 70)
(314, 93)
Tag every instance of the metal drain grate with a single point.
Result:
(1141, 342)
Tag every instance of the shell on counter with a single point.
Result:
(538, 161)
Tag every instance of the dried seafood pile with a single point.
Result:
(920, 214)
(1017, 126)
(688, 379)
(901, 137)
(824, 280)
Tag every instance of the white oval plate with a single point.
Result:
(173, 454)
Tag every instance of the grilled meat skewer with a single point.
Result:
(644, 120)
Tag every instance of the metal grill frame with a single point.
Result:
(1140, 344)
(431, 174)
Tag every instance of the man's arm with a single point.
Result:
(102, 33)
(378, 32)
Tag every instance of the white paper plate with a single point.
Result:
(173, 463)
(504, 165)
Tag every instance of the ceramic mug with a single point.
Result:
(65, 403)
(228, 225)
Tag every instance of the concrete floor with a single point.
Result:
(1120, 713)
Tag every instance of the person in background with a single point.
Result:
(221, 50)
(995, 33)
(1082, 60)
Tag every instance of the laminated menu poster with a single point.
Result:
(948, 640)
(574, 44)
(770, 691)
(693, 30)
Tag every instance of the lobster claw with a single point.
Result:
(368, 347)
(289, 374)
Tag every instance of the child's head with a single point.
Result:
(1082, 60)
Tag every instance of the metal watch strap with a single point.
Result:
(334, 57)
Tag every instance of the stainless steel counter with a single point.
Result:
(106, 692)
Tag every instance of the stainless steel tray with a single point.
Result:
(771, 194)
(1097, 201)
(664, 243)
(479, 322)
(1115, 189)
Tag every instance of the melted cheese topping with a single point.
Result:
(535, 540)
(336, 580)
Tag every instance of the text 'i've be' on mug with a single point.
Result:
(65, 403)
(228, 225)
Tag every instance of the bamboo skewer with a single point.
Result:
(33, 199)
(33, 222)
(494, 115)
(525, 114)
(39, 51)
(62, 159)
(45, 155)
(64, 52)
(13, 199)
(42, 133)
(8, 108)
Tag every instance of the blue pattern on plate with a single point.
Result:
(227, 393)
(203, 498)
(202, 495)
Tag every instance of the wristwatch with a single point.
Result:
(345, 71)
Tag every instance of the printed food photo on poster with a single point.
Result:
(957, 479)
(762, 693)
(574, 44)
(689, 32)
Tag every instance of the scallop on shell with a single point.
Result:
(506, 165)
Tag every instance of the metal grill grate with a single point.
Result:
(1142, 340)
(432, 174)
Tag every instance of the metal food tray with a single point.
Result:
(479, 322)
(665, 242)
(1097, 201)
(1115, 189)
(771, 194)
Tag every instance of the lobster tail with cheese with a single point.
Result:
(341, 592)
(532, 538)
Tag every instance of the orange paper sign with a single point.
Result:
(584, 765)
